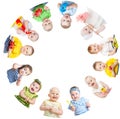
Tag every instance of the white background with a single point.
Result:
(60, 59)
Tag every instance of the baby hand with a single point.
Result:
(72, 108)
(46, 8)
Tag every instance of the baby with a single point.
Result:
(27, 95)
(16, 73)
(14, 48)
(23, 27)
(111, 67)
(78, 104)
(100, 89)
(68, 9)
(41, 13)
(51, 106)
(107, 48)
(93, 21)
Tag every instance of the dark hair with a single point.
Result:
(26, 65)
(74, 88)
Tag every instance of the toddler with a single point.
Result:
(51, 106)
(93, 23)
(42, 14)
(23, 27)
(68, 9)
(100, 88)
(78, 104)
(14, 48)
(111, 67)
(16, 73)
(27, 95)
(107, 48)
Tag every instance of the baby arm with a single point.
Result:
(22, 94)
(71, 107)
(16, 66)
(106, 87)
(18, 81)
(87, 104)
(31, 101)
(112, 52)
(58, 111)
(101, 28)
(100, 94)
(45, 107)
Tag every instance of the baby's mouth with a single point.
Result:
(32, 89)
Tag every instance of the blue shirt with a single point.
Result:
(63, 7)
(12, 75)
(80, 106)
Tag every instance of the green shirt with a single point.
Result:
(44, 14)
(29, 94)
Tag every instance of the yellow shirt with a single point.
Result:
(107, 69)
(16, 49)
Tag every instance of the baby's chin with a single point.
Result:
(76, 99)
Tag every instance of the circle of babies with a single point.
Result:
(94, 23)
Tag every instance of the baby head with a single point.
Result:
(25, 70)
(33, 35)
(93, 48)
(47, 25)
(27, 50)
(90, 81)
(87, 32)
(75, 93)
(54, 94)
(35, 86)
(66, 21)
(99, 66)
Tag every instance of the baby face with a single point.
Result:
(47, 25)
(24, 71)
(33, 36)
(75, 95)
(54, 94)
(86, 31)
(100, 66)
(66, 21)
(27, 50)
(90, 81)
(94, 48)
(34, 87)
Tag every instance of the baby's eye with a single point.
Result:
(25, 72)
(56, 93)
(36, 87)
(68, 20)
